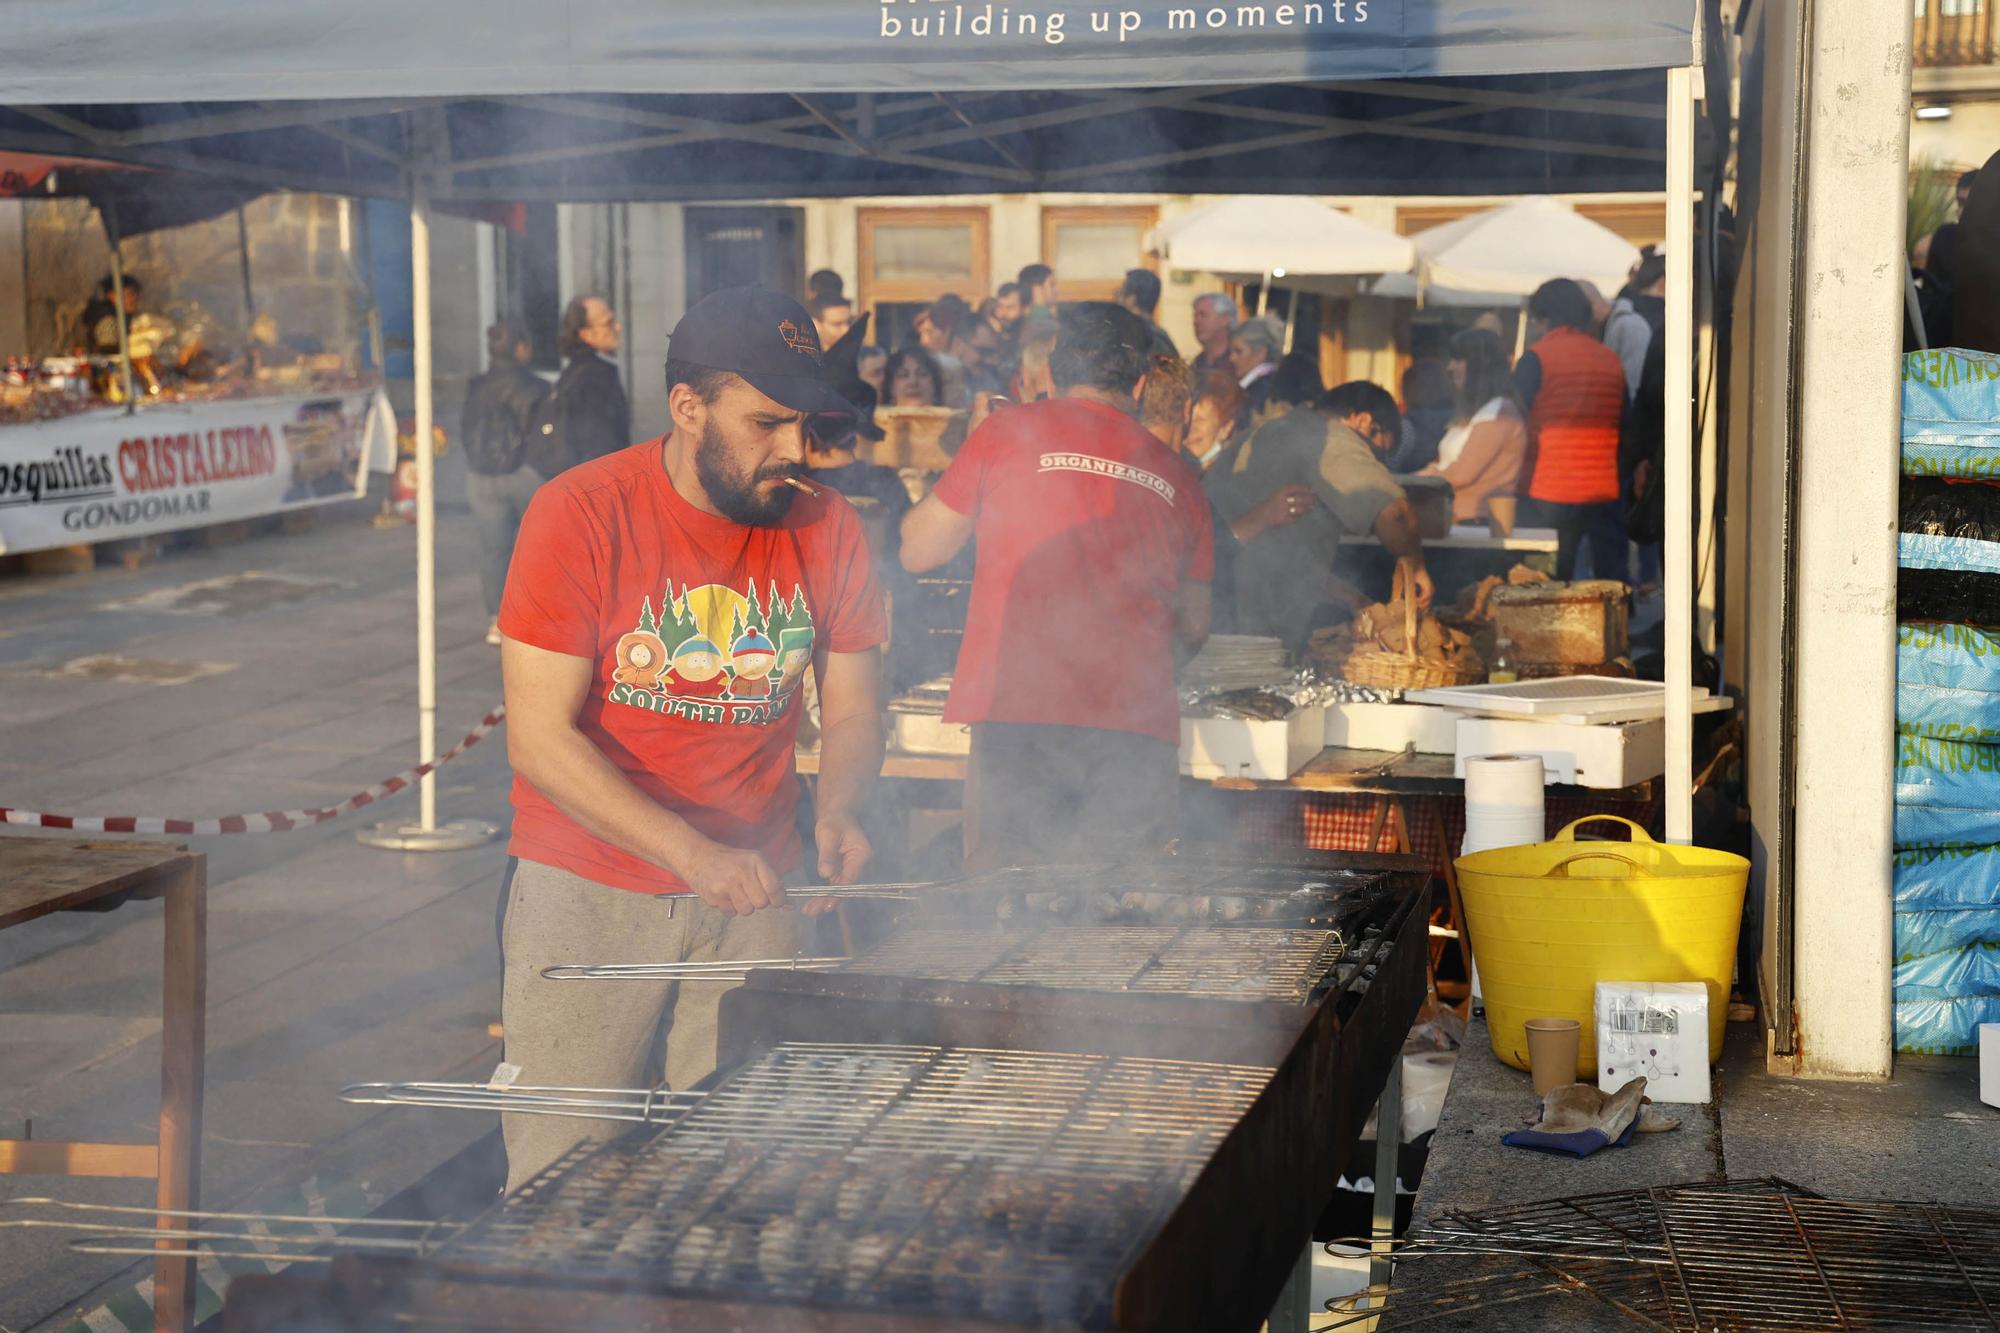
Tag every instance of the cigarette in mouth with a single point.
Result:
(805, 486)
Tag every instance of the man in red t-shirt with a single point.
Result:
(654, 787)
(1095, 554)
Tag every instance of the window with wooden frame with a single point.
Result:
(911, 256)
(1091, 247)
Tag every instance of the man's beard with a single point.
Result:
(736, 496)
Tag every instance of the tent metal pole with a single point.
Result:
(426, 834)
(118, 310)
(420, 316)
(1263, 293)
(1679, 456)
(243, 258)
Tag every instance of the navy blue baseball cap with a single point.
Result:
(766, 338)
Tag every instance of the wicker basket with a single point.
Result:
(1383, 669)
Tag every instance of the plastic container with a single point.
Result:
(1550, 921)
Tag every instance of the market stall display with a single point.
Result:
(132, 419)
(1947, 906)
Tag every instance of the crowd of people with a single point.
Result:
(1567, 439)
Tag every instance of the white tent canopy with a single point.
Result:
(1285, 236)
(1515, 248)
(1407, 287)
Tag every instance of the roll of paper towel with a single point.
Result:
(1503, 808)
(1503, 801)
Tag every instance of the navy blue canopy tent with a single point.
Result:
(515, 100)
(1486, 135)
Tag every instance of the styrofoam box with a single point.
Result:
(928, 733)
(1605, 754)
(1656, 1030)
(1229, 747)
(1391, 727)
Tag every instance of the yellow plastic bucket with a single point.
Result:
(1550, 920)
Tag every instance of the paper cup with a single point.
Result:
(1553, 1046)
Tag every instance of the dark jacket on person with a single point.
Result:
(1975, 294)
(596, 418)
(100, 325)
(498, 405)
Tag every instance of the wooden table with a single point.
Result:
(39, 876)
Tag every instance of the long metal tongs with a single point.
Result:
(641, 1106)
(219, 1235)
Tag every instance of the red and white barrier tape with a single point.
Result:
(271, 821)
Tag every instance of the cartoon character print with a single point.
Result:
(642, 660)
(697, 669)
(795, 651)
(674, 662)
(751, 658)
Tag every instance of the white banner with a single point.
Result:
(102, 475)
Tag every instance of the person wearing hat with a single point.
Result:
(655, 822)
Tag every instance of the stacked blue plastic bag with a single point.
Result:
(1947, 873)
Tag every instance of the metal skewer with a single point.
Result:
(723, 970)
(644, 1106)
(377, 1235)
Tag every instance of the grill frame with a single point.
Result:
(1216, 1262)
(1232, 1232)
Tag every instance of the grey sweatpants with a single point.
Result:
(600, 1034)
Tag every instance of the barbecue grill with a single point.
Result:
(1043, 1123)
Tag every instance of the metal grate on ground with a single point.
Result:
(1756, 1255)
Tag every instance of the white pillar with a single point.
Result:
(1678, 563)
(486, 265)
(1843, 665)
(420, 317)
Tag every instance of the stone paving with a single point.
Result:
(276, 673)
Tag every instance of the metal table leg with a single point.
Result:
(1388, 1138)
(1293, 1312)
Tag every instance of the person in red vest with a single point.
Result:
(1572, 388)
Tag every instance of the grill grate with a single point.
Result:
(1169, 893)
(1017, 1184)
(1281, 964)
(1762, 1255)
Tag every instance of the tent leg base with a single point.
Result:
(401, 835)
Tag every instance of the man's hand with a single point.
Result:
(1280, 509)
(1419, 582)
(732, 881)
(844, 850)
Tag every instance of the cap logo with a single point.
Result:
(799, 339)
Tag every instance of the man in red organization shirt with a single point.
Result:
(653, 796)
(1095, 557)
